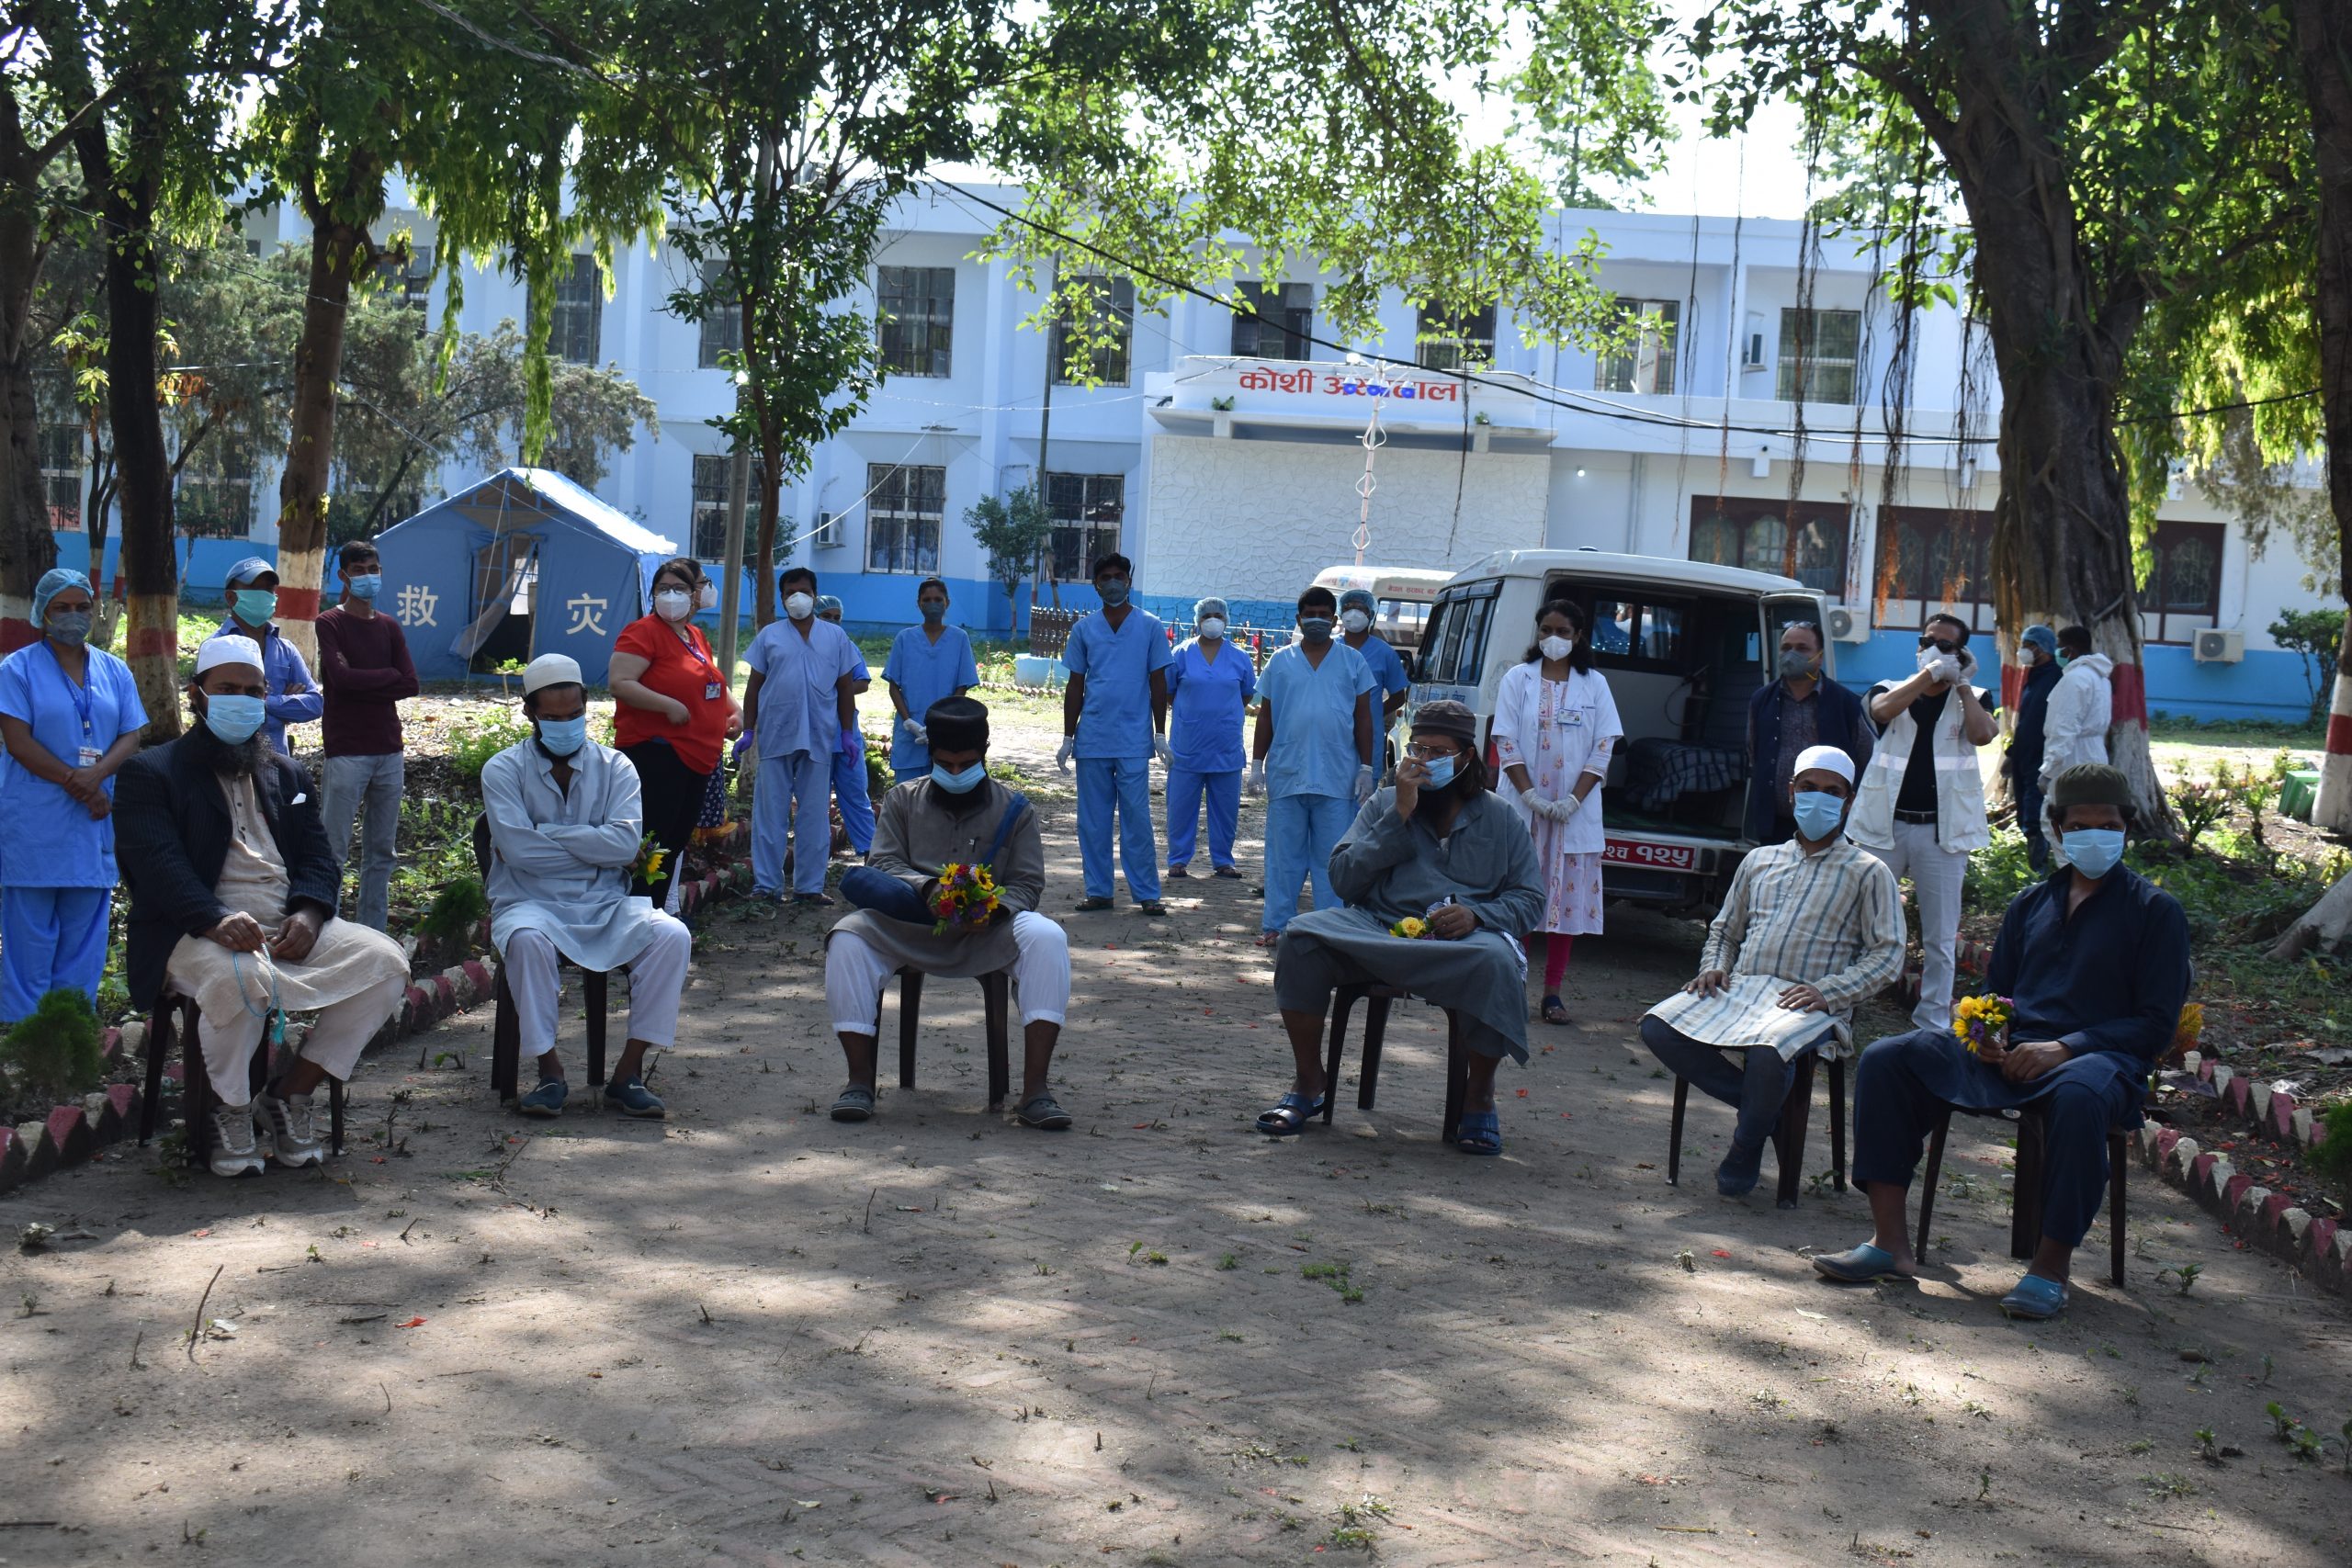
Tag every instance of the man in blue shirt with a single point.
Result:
(2094, 962)
(928, 664)
(1114, 715)
(853, 786)
(1311, 756)
(294, 697)
(1358, 610)
(800, 698)
(1801, 708)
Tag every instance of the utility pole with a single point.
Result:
(738, 467)
(1045, 422)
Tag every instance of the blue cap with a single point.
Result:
(245, 570)
(53, 582)
(827, 602)
(2041, 637)
(1358, 598)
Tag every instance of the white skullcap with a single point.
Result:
(551, 670)
(221, 650)
(1829, 759)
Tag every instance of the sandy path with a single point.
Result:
(755, 1336)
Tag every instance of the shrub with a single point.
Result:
(2332, 1157)
(478, 743)
(456, 910)
(55, 1054)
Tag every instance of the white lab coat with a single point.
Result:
(2082, 705)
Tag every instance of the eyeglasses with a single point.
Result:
(1430, 753)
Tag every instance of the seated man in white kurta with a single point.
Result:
(565, 827)
(232, 900)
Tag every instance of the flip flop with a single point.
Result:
(855, 1103)
(1554, 1010)
(1152, 907)
(1858, 1267)
(1269, 939)
(1178, 870)
(1480, 1132)
(1092, 906)
(1231, 873)
(1291, 1113)
(2035, 1298)
(1040, 1110)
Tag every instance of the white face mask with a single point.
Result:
(1212, 627)
(1354, 621)
(799, 606)
(674, 605)
(708, 598)
(1557, 647)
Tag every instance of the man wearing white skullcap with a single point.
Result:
(233, 889)
(1809, 928)
(566, 822)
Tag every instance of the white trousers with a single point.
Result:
(1936, 875)
(856, 974)
(656, 975)
(341, 1033)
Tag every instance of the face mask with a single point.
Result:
(1819, 813)
(2094, 851)
(232, 719)
(1112, 591)
(1440, 772)
(563, 735)
(365, 587)
(1556, 647)
(1316, 628)
(71, 627)
(933, 614)
(960, 782)
(674, 603)
(707, 597)
(1212, 628)
(2064, 660)
(1355, 621)
(1795, 664)
(801, 607)
(255, 605)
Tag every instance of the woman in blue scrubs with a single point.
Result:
(70, 714)
(1210, 684)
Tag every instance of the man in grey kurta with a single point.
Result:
(1437, 848)
(955, 814)
(566, 824)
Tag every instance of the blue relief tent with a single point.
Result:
(522, 563)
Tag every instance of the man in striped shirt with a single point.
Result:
(1809, 928)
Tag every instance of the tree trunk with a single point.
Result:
(27, 548)
(2323, 32)
(335, 250)
(763, 567)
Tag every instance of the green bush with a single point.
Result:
(2332, 1157)
(53, 1054)
(478, 743)
(456, 910)
(1998, 873)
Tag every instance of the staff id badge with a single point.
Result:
(712, 691)
(90, 755)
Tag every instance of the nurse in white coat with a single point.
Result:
(1556, 726)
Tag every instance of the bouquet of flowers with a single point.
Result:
(1413, 928)
(650, 860)
(2191, 1025)
(965, 899)
(1982, 1022)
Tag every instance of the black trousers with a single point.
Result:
(672, 795)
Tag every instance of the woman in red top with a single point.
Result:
(674, 712)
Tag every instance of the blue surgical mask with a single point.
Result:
(1440, 772)
(232, 719)
(1818, 813)
(2064, 660)
(255, 607)
(1112, 591)
(962, 781)
(933, 614)
(2094, 851)
(365, 587)
(71, 627)
(563, 735)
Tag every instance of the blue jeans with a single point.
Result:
(1301, 832)
(790, 798)
(854, 792)
(345, 785)
(1756, 1087)
(50, 939)
(1119, 786)
(1185, 789)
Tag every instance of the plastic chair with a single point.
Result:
(996, 1001)
(1788, 1135)
(2025, 1210)
(176, 1021)
(1375, 1028)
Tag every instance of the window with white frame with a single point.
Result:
(904, 507)
(576, 334)
(916, 308)
(1646, 364)
(1454, 340)
(1279, 323)
(1113, 318)
(1941, 563)
(1087, 510)
(721, 326)
(1820, 356)
(1806, 541)
(60, 475)
(709, 503)
(409, 275)
(2181, 594)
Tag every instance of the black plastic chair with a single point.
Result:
(1380, 998)
(507, 1029)
(175, 1021)
(1788, 1135)
(2025, 1209)
(996, 1002)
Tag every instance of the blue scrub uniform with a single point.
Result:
(1113, 749)
(57, 865)
(926, 672)
(800, 733)
(1207, 700)
(853, 789)
(1387, 669)
(1310, 772)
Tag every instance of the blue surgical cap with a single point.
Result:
(827, 602)
(55, 581)
(2041, 637)
(1210, 606)
(1357, 599)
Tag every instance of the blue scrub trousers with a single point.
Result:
(791, 795)
(1120, 785)
(1757, 1086)
(1185, 789)
(51, 938)
(2029, 804)
(1301, 832)
(853, 790)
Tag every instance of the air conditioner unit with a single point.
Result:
(1846, 626)
(827, 535)
(2221, 644)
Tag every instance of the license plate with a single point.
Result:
(1635, 852)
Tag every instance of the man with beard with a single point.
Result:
(956, 814)
(567, 825)
(233, 889)
(1437, 848)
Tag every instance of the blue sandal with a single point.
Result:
(1480, 1132)
(2035, 1298)
(1291, 1113)
(1860, 1266)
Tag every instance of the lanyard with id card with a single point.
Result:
(713, 689)
(83, 703)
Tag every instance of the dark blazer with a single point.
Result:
(1842, 723)
(171, 836)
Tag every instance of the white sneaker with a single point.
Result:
(234, 1152)
(287, 1126)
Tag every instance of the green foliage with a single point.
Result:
(2332, 1156)
(479, 742)
(1998, 873)
(1012, 530)
(2318, 635)
(456, 910)
(53, 1054)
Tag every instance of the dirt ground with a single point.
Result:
(751, 1336)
